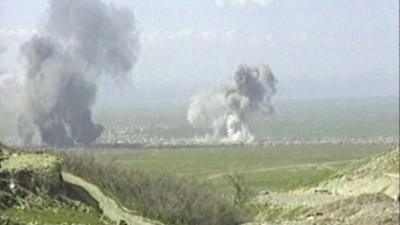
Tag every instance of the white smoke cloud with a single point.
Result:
(9, 86)
(9, 102)
(241, 3)
(8, 83)
(229, 110)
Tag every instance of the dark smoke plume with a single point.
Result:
(229, 111)
(81, 41)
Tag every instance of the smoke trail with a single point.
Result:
(229, 111)
(81, 41)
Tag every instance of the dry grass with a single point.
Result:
(163, 197)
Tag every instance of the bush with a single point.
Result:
(165, 197)
(242, 192)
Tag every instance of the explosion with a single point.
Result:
(229, 110)
(81, 41)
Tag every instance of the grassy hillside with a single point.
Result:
(211, 186)
(161, 197)
(364, 191)
(32, 192)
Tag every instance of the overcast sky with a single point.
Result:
(318, 49)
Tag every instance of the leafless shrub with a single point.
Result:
(164, 197)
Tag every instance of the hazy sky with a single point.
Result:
(329, 48)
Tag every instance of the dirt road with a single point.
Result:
(327, 165)
(108, 205)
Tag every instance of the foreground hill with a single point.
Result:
(364, 192)
(34, 190)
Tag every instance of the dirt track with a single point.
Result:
(307, 165)
(108, 205)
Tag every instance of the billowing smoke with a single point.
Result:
(80, 41)
(230, 110)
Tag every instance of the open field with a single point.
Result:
(277, 168)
